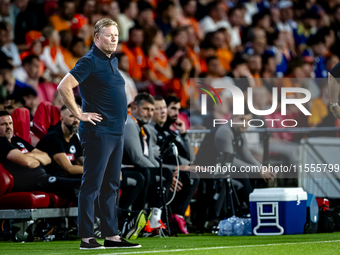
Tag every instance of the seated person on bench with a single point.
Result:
(159, 130)
(228, 139)
(138, 154)
(26, 163)
(63, 146)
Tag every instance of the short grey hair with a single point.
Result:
(106, 22)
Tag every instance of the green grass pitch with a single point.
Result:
(195, 244)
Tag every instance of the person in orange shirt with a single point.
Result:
(75, 52)
(223, 53)
(179, 45)
(293, 76)
(180, 84)
(159, 71)
(80, 28)
(65, 47)
(189, 8)
(62, 20)
(133, 50)
(145, 17)
(157, 62)
(33, 42)
(53, 59)
(193, 48)
(77, 49)
(213, 68)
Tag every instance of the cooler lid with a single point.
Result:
(278, 194)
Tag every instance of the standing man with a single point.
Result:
(101, 132)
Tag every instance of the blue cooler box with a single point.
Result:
(277, 211)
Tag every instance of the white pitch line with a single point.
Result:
(222, 247)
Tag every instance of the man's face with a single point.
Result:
(11, 105)
(3, 37)
(259, 45)
(143, 112)
(124, 64)
(33, 69)
(272, 64)
(78, 49)
(108, 39)
(242, 70)
(146, 17)
(190, 9)
(173, 111)
(114, 9)
(220, 12)
(181, 39)
(21, 4)
(69, 9)
(89, 7)
(219, 39)
(70, 121)
(255, 64)
(214, 66)
(236, 18)
(287, 14)
(29, 101)
(160, 114)
(137, 37)
(241, 118)
(319, 49)
(6, 127)
(8, 80)
(4, 7)
(133, 10)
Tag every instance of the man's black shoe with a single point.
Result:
(91, 245)
(122, 244)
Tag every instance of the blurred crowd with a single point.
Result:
(165, 43)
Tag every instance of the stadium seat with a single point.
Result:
(56, 201)
(46, 116)
(21, 123)
(19, 200)
(46, 91)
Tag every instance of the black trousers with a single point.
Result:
(151, 192)
(182, 199)
(102, 164)
(62, 186)
(131, 185)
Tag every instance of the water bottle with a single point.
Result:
(238, 227)
(225, 228)
(248, 230)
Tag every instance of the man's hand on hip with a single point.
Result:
(90, 117)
